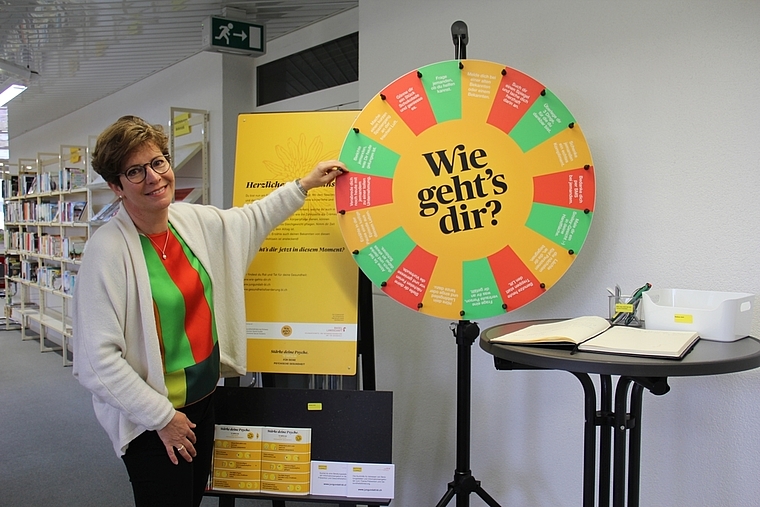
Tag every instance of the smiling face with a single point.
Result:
(146, 202)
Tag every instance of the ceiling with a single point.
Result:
(80, 51)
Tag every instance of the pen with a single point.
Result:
(635, 299)
(641, 290)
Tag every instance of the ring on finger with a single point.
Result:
(181, 446)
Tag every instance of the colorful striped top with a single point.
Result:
(184, 310)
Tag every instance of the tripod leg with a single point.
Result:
(486, 497)
(462, 486)
(447, 497)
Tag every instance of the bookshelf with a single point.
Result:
(45, 205)
(188, 148)
(10, 256)
(19, 209)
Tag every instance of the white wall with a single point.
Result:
(238, 85)
(663, 92)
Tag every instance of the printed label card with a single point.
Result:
(286, 460)
(237, 458)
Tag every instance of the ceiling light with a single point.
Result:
(10, 93)
(22, 72)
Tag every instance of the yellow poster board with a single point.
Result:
(302, 287)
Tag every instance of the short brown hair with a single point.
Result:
(116, 142)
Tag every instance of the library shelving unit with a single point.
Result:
(19, 209)
(10, 260)
(47, 226)
(188, 148)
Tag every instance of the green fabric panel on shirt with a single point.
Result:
(168, 298)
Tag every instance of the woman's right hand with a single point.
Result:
(178, 437)
(323, 174)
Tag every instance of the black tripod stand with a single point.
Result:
(464, 483)
(466, 332)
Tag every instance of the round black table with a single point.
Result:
(705, 358)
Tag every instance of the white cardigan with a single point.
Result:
(115, 344)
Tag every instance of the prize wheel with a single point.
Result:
(470, 189)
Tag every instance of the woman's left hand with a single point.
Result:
(323, 173)
(179, 435)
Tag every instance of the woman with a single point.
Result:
(159, 310)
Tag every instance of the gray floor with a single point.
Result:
(53, 452)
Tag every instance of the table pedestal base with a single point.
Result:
(624, 421)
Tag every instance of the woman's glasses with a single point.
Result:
(137, 173)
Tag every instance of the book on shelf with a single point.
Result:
(68, 281)
(49, 182)
(10, 187)
(107, 211)
(29, 270)
(73, 211)
(73, 247)
(77, 177)
(72, 178)
(13, 267)
(13, 240)
(78, 214)
(47, 276)
(50, 245)
(596, 334)
(47, 212)
(29, 184)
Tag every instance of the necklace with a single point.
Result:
(166, 242)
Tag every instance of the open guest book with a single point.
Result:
(596, 334)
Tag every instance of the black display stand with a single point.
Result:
(351, 426)
(465, 332)
(464, 483)
(278, 406)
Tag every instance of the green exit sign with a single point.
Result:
(235, 36)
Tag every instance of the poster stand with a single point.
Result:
(365, 346)
(365, 354)
(465, 332)
(286, 415)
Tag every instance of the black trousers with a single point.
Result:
(156, 481)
